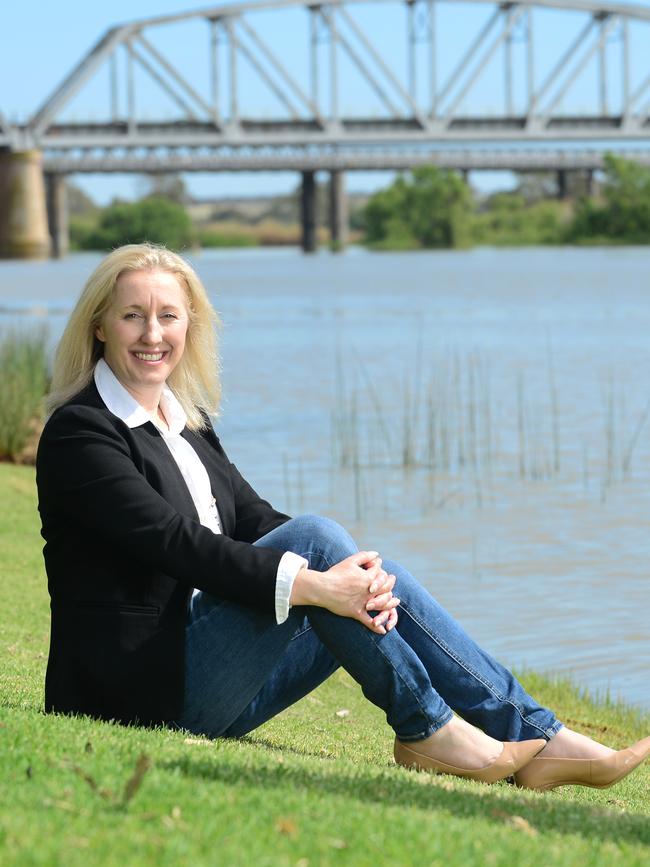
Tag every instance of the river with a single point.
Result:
(482, 416)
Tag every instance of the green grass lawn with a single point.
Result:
(317, 785)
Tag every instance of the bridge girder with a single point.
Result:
(427, 112)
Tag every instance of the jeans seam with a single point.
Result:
(320, 555)
(486, 683)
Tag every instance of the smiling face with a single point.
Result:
(143, 332)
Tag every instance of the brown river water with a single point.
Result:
(482, 416)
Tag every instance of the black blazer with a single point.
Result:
(124, 549)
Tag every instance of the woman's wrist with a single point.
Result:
(306, 588)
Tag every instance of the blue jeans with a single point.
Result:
(242, 668)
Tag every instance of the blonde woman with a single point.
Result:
(181, 597)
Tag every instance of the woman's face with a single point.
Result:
(144, 329)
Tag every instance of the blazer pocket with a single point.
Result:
(119, 608)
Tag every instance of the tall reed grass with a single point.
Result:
(24, 381)
(446, 418)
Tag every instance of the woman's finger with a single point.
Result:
(374, 576)
(392, 620)
(382, 618)
(371, 623)
(392, 603)
(380, 603)
(383, 584)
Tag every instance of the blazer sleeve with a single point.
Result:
(88, 476)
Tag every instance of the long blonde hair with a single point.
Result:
(195, 380)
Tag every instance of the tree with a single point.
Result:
(154, 219)
(80, 203)
(166, 185)
(430, 208)
(507, 219)
(624, 214)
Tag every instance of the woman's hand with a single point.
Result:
(352, 588)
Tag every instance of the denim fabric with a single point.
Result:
(242, 668)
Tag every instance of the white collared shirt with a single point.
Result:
(121, 403)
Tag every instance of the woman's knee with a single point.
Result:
(323, 536)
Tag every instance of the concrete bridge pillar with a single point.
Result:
(338, 211)
(57, 214)
(23, 218)
(308, 211)
(562, 185)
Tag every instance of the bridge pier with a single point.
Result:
(23, 218)
(308, 211)
(57, 214)
(338, 211)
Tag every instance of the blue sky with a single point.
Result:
(40, 42)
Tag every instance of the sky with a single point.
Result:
(41, 41)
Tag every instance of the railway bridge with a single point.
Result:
(333, 86)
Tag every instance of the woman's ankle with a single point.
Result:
(569, 744)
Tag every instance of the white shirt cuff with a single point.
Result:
(288, 568)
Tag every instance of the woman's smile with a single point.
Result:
(150, 356)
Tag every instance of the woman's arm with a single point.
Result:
(89, 484)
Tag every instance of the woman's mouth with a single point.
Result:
(149, 356)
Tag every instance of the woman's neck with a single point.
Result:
(148, 399)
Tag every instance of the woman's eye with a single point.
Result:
(131, 315)
(169, 316)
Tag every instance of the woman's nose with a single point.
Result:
(152, 331)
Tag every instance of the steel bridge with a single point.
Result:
(343, 85)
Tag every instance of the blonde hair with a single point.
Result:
(195, 380)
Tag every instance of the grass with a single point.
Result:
(23, 384)
(315, 786)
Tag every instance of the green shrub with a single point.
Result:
(430, 208)
(154, 219)
(209, 238)
(81, 229)
(509, 221)
(23, 385)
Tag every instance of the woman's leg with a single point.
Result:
(241, 668)
(427, 666)
(475, 685)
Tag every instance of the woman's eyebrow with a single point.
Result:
(169, 306)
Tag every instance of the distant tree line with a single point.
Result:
(435, 208)
(426, 208)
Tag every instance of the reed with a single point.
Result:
(23, 384)
(445, 421)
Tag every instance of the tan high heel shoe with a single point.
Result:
(514, 756)
(542, 774)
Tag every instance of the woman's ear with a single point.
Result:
(99, 334)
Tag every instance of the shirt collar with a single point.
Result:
(121, 402)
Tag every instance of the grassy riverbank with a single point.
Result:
(316, 786)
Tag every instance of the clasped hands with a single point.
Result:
(357, 587)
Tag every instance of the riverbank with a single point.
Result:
(315, 786)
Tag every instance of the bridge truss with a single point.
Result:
(273, 88)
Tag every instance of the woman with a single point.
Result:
(181, 597)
